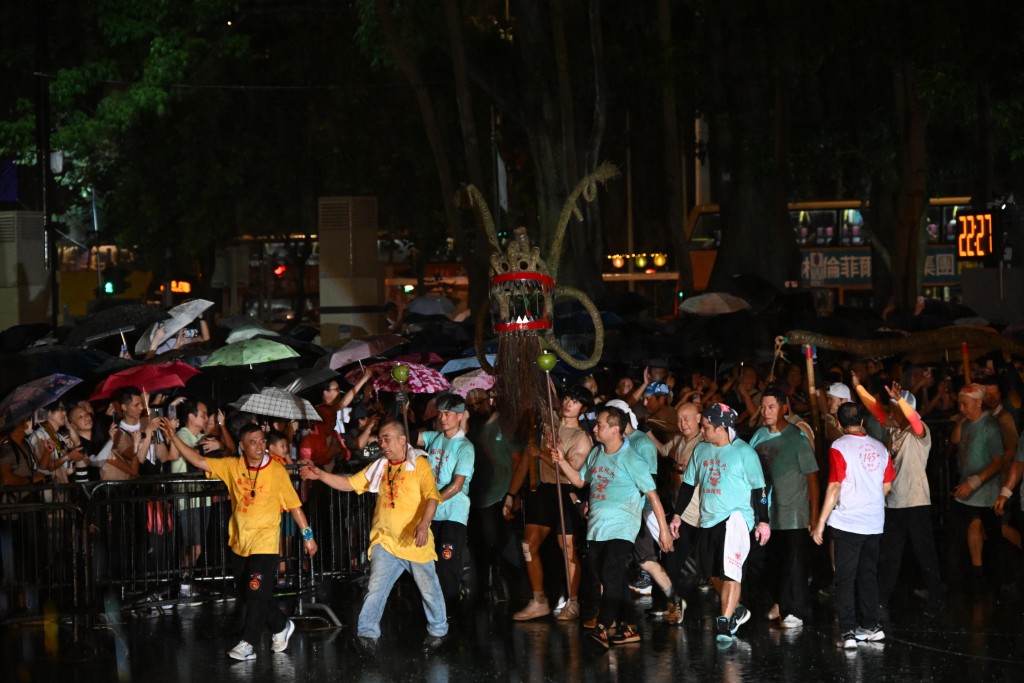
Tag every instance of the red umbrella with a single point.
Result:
(149, 378)
(422, 380)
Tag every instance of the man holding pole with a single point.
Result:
(542, 507)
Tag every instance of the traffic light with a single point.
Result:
(114, 280)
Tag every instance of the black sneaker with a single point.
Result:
(366, 646)
(600, 636)
(723, 631)
(643, 585)
(740, 616)
(626, 634)
(432, 643)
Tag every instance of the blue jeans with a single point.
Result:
(385, 569)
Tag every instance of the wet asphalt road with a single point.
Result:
(979, 639)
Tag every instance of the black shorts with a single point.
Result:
(541, 508)
(711, 550)
(645, 547)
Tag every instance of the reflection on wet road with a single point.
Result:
(978, 640)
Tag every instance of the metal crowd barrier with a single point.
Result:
(150, 542)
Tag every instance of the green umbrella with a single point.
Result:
(249, 352)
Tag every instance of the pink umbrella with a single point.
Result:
(360, 349)
(422, 380)
(478, 379)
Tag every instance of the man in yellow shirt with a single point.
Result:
(260, 490)
(400, 539)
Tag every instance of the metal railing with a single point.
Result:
(72, 548)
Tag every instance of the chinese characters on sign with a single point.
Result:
(852, 267)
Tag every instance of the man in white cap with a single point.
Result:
(908, 507)
(836, 395)
(645, 549)
(980, 459)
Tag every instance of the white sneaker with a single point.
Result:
(242, 651)
(533, 610)
(280, 640)
(792, 621)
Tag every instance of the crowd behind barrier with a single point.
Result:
(72, 548)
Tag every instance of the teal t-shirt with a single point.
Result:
(789, 458)
(643, 446)
(724, 477)
(492, 471)
(618, 484)
(980, 441)
(448, 459)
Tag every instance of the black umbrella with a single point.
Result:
(303, 348)
(19, 337)
(112, 321)
(298, 381)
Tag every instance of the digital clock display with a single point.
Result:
(975, 238)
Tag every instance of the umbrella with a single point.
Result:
(65, 360)
(180, 317)
(248, 331)
(358, 349)
(713, 303)
(467, 363)
(478, 379)
(249, 352)
(422, 380)
(423, 358)
(298, 381)
(146, 377)
(109, 322)
(430, 304)
(28, 398)
(274, 402)
(297, 345)
(18, 337)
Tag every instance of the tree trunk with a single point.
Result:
(472, 244)
(908, 246)
(675, 220)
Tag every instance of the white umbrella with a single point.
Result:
(249, 331)
(274, 402)
(713, 303)
(181, 316)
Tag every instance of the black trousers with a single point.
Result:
(489, 534)
(856, 574)
(612, 560)
(450, 544)
(257, 577)
(914, 525)
(786, 567)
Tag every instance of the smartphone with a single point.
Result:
(191, 332)
(172, 412)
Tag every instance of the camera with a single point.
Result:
(372, 451)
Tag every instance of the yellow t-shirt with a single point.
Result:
(401, 499)
(254, 528)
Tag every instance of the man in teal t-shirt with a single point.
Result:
(619, 482)
(787, 459)
(452, 459)
(731, 482)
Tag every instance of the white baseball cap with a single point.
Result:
(840, 391)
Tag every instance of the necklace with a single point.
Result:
(391, 482)
(252, 480)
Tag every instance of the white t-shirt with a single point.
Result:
(862, 464)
